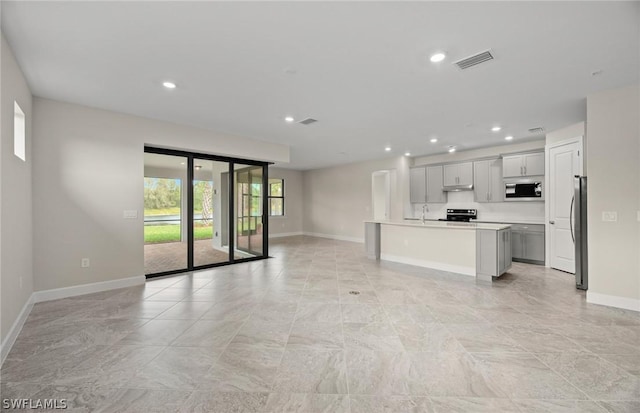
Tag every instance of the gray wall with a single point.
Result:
(291, 222)
(88, 168)
(16, 240)
(338, 200)
(614, 185)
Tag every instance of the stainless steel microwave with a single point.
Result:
(524, 190)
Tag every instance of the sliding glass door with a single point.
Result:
(165, 213)
(249, 206)
(202, 211)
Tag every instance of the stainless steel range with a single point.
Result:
(461, 215)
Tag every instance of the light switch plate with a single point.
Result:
(130, 214)
(609, 216)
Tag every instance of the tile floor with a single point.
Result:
(286, 335)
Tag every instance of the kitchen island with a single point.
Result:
(481, 250)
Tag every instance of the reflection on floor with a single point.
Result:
(173, 256)
(287, 334)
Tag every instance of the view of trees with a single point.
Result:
(161, 193)
(164, 194)
(162, 198)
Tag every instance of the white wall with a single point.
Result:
(16, 240)
(500, 211)
(291, 222)
(613, 127)
(88, 168)
(571, 131)
(338, 200)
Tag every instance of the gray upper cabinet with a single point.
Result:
(487, 181)
(426, 185)
(435, 192)
(534, 164)
(458, 174)
(418, 185)
(526, 164)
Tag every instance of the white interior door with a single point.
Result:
(381, 191)
(564, 164)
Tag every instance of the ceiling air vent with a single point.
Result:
(474, 60)
(307, 121)
(536, 131)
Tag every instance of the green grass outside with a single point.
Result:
(154, 234)
(165, 211)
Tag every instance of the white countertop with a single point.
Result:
(529, 221)
(525, 221)
(443, 224)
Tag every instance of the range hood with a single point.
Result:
(457, 188)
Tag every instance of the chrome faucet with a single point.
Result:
(425, 209)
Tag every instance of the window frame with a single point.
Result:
(19, 132)
(270, 197)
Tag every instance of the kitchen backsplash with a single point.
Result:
(503, 211)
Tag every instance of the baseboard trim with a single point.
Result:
(58, 293)
(10, 339)
(286, 234)
(613, 301)
(336, 237)
(458, 269)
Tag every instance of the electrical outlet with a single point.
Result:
(609, 216)
(130, 214)
(85, 263)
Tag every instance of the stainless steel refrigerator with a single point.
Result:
(579, 231)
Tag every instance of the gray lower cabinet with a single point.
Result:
(493, 253)
(528, 243)
(372, 240)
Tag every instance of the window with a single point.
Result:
(276, 197)
(19, 132)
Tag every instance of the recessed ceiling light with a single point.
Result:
(181, 163)
(433, 140)
(169, 85)
(508, 138)
(288, 119)
(198, 166)
(437, 57)
(452, 149)
(387, 148)
(407, 154)
(496, 129)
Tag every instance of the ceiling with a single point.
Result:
(361, 69)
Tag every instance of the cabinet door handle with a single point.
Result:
(525, 170)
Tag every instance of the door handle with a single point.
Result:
(552, 222)
(573, 198)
